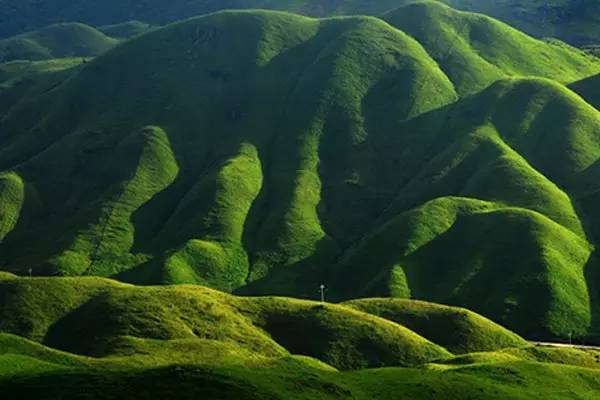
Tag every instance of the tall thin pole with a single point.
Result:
(322, 290)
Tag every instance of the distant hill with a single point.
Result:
(267, 153)
(574, 21)
(56, 41)
(126, 30)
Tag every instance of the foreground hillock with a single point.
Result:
(189, 341)
(99, 317)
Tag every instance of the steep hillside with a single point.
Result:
(56, 41)
(264, 152)
(574, 21)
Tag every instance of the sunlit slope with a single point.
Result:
(475, 50)
(56, 41)
(459, 330)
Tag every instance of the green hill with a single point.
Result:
(95, 317)
(475, 50)
(458, 330)
(56, 41)
(574, 21)
(190, 342)
(267, 153)
(126, 30)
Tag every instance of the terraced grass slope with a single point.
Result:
(574, 21)
(267, 153)
(56, 41)
(189, 341)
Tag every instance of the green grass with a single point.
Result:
(458, 330)
(189, 341)
(475, 50)
(267, 153)
(32, 370)
(91, 316)
(56, 41)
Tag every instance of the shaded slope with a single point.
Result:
(589, 89)
(56, 41)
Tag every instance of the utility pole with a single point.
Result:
(322, 291)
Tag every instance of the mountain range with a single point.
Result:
(574, 21)
(428, 153)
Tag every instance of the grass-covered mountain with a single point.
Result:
(574, 21)
(95, 338)
(56, 41)
(264, 152)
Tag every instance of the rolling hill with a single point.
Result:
(574, 21)
(188, 341)
(267, 153)
(56, 41)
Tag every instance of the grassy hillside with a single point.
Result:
(99, 317)
(126, 30)
(475, 50)
(458, 330)
(574, 21)
(267, 153)
(55, 41)
(190, 341)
